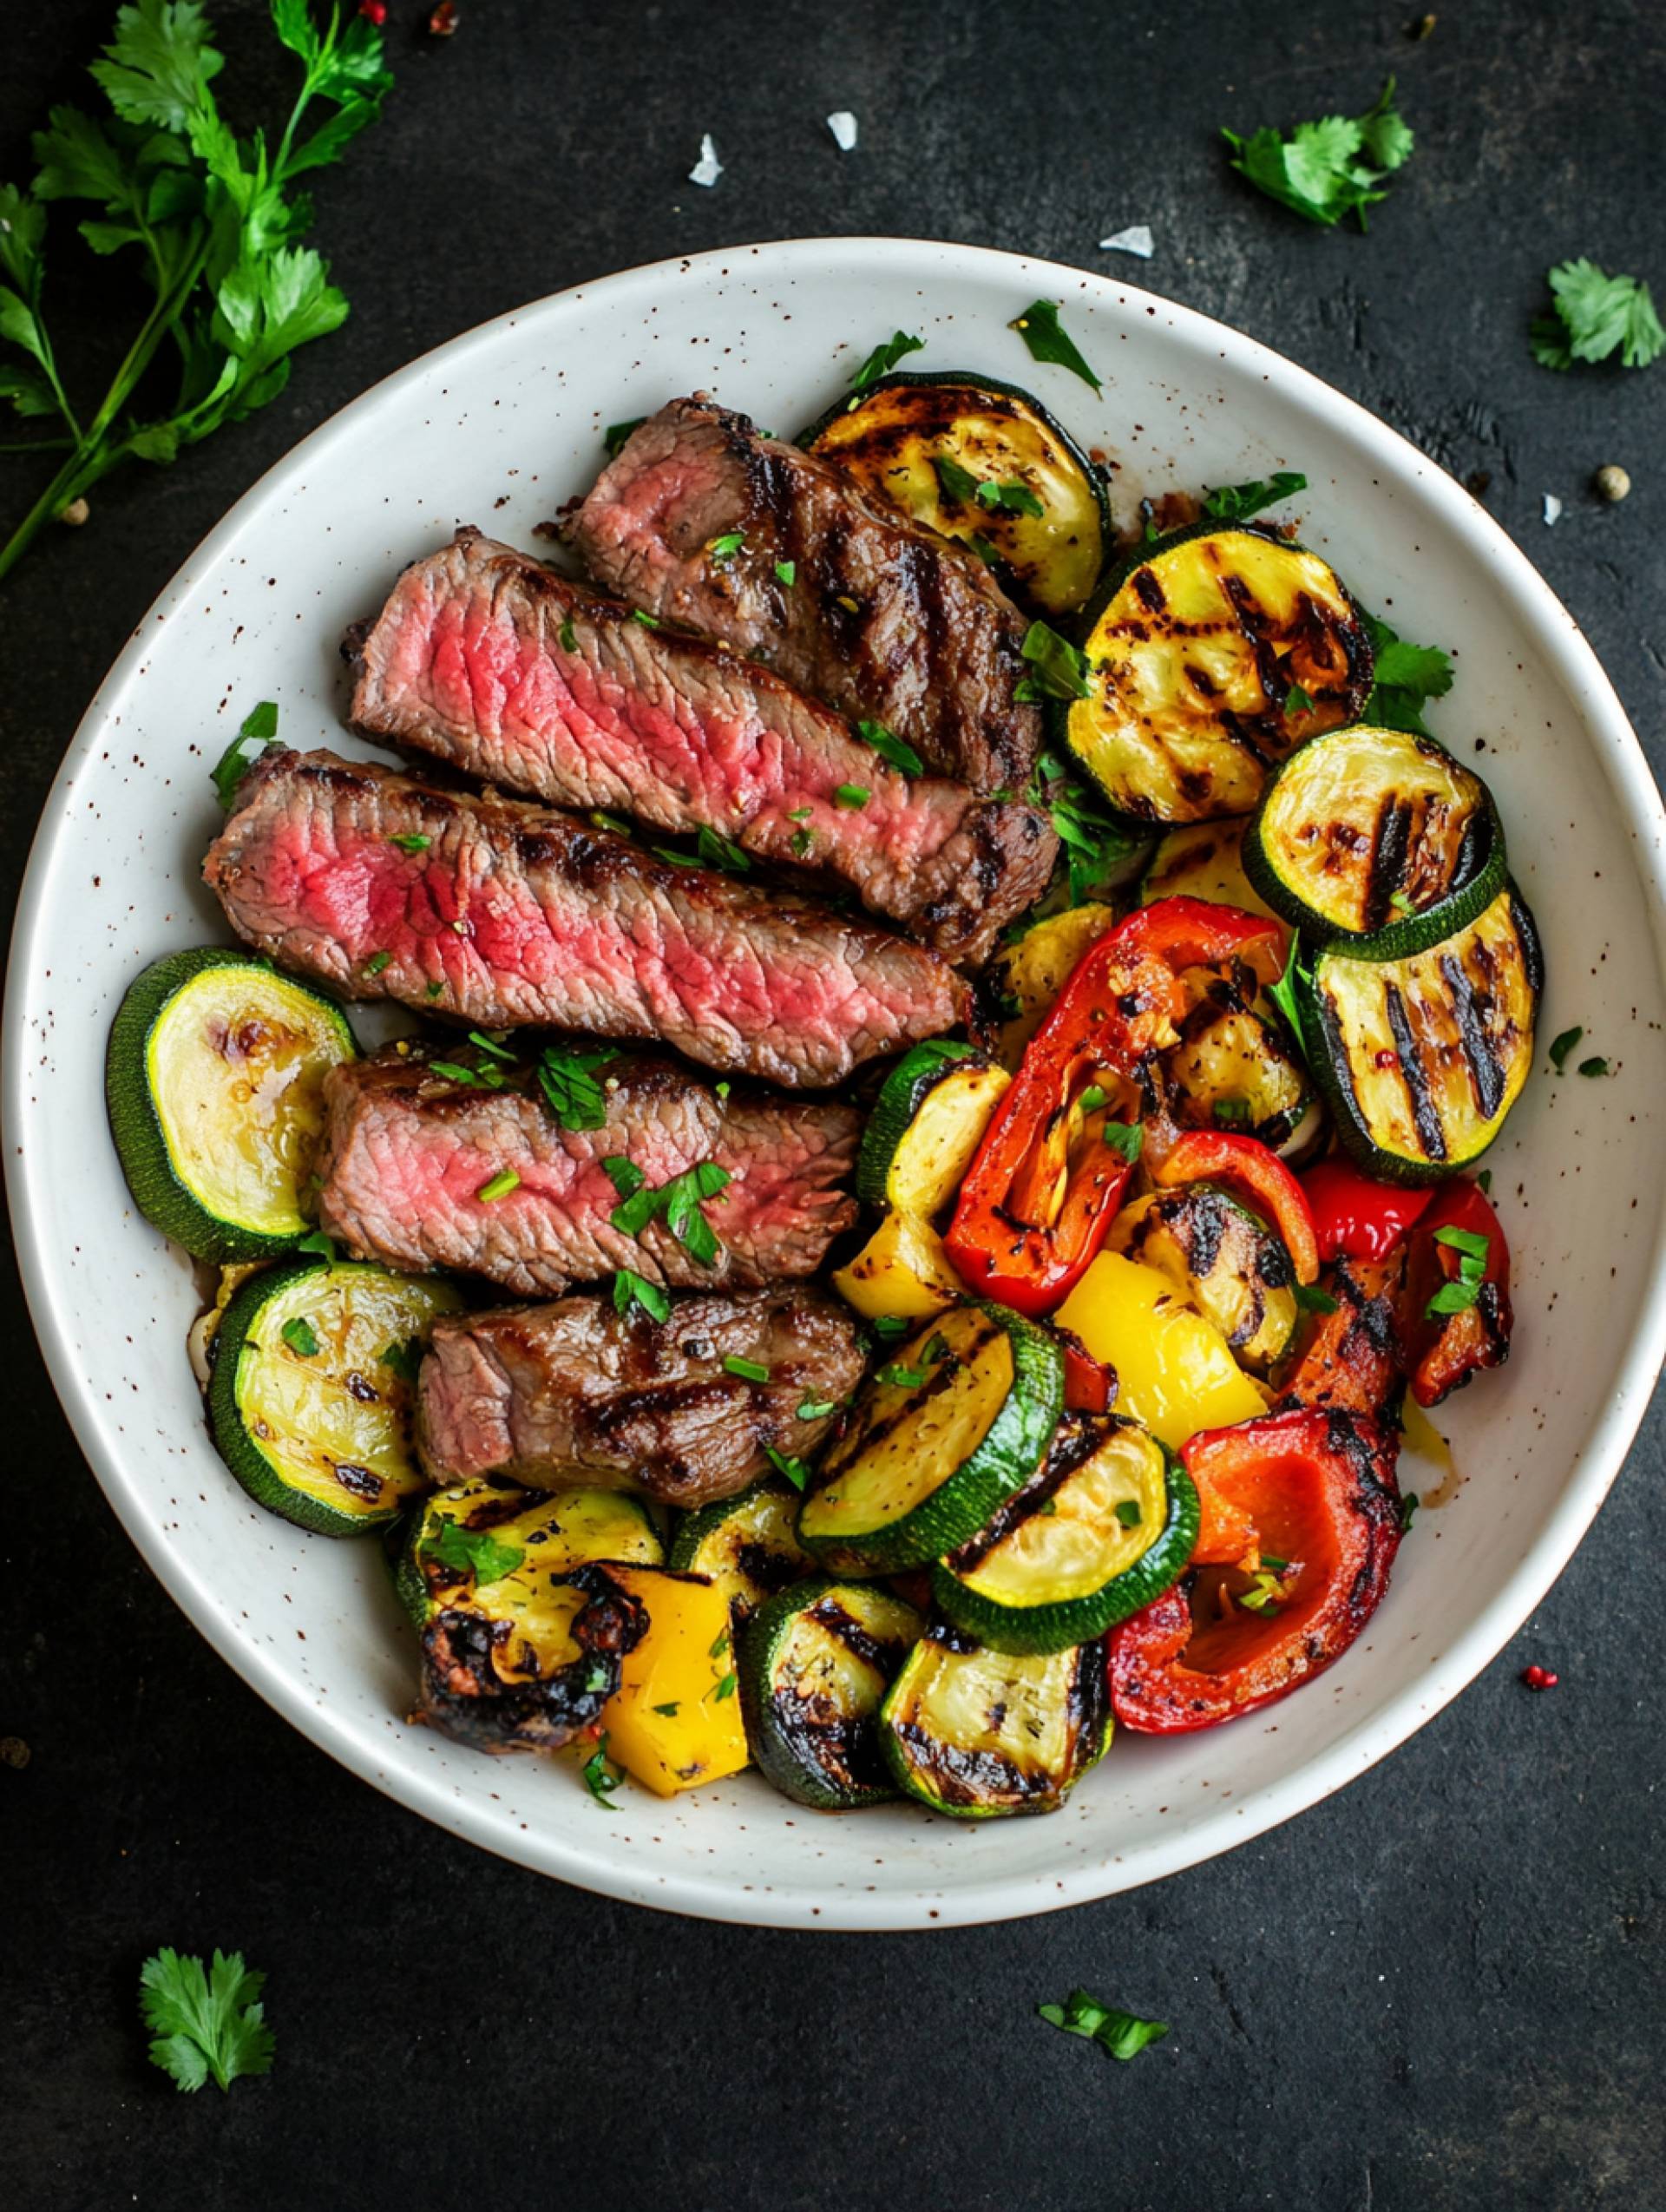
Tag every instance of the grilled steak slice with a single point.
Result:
(486, 658)
(575, 1392)
(882, 618)
(407, 1152)
(508, 914)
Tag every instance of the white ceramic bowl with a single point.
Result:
(500, 427)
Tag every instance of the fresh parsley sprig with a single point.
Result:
(1330, 169)
(213, 221)
(1594, 317)
(1048, 340)
(1407, 677)
(1238, 503)
(471, 1552)
(1122, 2035)
(203, 2024)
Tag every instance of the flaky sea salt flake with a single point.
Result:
(1137, 238)
(1552, 507)
(708, 168)
(843, 128)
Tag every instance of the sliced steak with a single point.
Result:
(575, 1392)
(507, 915)
(484, 657)
(882, 618)
(407, 1152)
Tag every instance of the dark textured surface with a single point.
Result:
(1442, 1989)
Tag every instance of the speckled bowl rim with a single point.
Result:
(612, 1871)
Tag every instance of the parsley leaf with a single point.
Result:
(1047, 339)
(205, 2024)
(1595, 316)
(630, 1289)
(1310, 1298)
(786, 1463)
(1060, 671)
(1330, 169)
(748, 1370)
(300, 1336)
(259, 729)
(616, 435)
(1406, 678)
(1563, 1046)
(571, 1091)
(1409, 1506)
(602, 1776)
(474, 1552)
(1238, 503)
(883, 359)
(1123, 2035)
(1595, 1065)
(890, 746)
(1126, 1138)
(956, 482)
(1283, 994)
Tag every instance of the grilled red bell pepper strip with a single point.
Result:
(1090, 1384)
(1355, 1218)
(1353, 1357)
(1319, 1488)
(1446, 1348)
(1254, 1173)
(1039, 1197)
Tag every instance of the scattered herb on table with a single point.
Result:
(1048, 340)
(204, 2025)
(1595, 1065)
(215, 223)
(1123, 2035)
(1595, 316)
(1330, 169)
(1562, 1046)
(1409, 1506)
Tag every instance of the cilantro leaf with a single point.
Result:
(1330, 169)
(474, 1552)
(205, 2024)
(1595, 316)
(1237, 503)
(1047, 339)
(1126, 1138)
(1123, 2035)
(884, 358)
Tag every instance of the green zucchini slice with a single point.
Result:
(533, 1537)
(747, 1544)
(978, 1734)
(1193, 650)
(985, 463)
(926, 1124)
(310, 1401)
(213, 1079)
(1422, 1058)
(1104, 1527)
(815, 1665)
(1367, 831)
(1232, 1069)
(1235, 1271)
(956, 1421)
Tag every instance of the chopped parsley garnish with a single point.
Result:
(413, 841)
(1096, 844)
(259, 729)
(1045, 335)
(568, 636)
(675, 859)
(1595, 1065)
(317, 1241)
(1310, 1298)
(1238, 503)
(1330, 169)
(1058, 670)
(493, 1047)
(1232, 1112)
(614, 436)
(786, 1463)
(203, 2024)
(1128, 1513)
(475, 1552)
(852, 796)
(571, 1091)
(959, 483)
(1264, 1596)
(726, 547)
(1459, 1295)
(1400, 903)
(1562, 1046)
(625, 1175)
(602, 1776)
(485, 1078)
(748, 1370)
(1595, 316)
(1092, 1097)
(1010, 499)
(376, 963)
(641, 615)
(499, 1186)
(402, 1359)
(887, 1327)
(715, 1650)
(986, 552)
(1484, 1178)
(671, 1710)
(816, 1408)
(1284, 992)
(1126, 1137)
(1122, 2035)
(1297, 701)
(433, 990)
(900, 1377)
(787, 573)
(884, 358)
(725, 1688)
(890, 746)
(718, 851)
(1406, 678)
(802, 842)
(1409, 1506)
(801, 814)
(301, 1337)
(679, 1202)
(630, 1289)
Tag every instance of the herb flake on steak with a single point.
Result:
(510, 916)
(485, 657)
(882, 619)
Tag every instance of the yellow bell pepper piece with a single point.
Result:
(674, 1721)
(1175, 1370)
(1037, 966)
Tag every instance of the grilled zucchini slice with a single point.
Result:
(815, 1665)
(747, 1544)
(1366, 832)
(310, 1400)
(1232, 1069)
(529, 1539)
(1203, 860)
(1235, 1271)
(956, 1421)
(1105, 1526)
(977, 1733)
(1193, 651)
(1422, 1057)
(983, 463)
(927, 1123)
(213, 1079)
